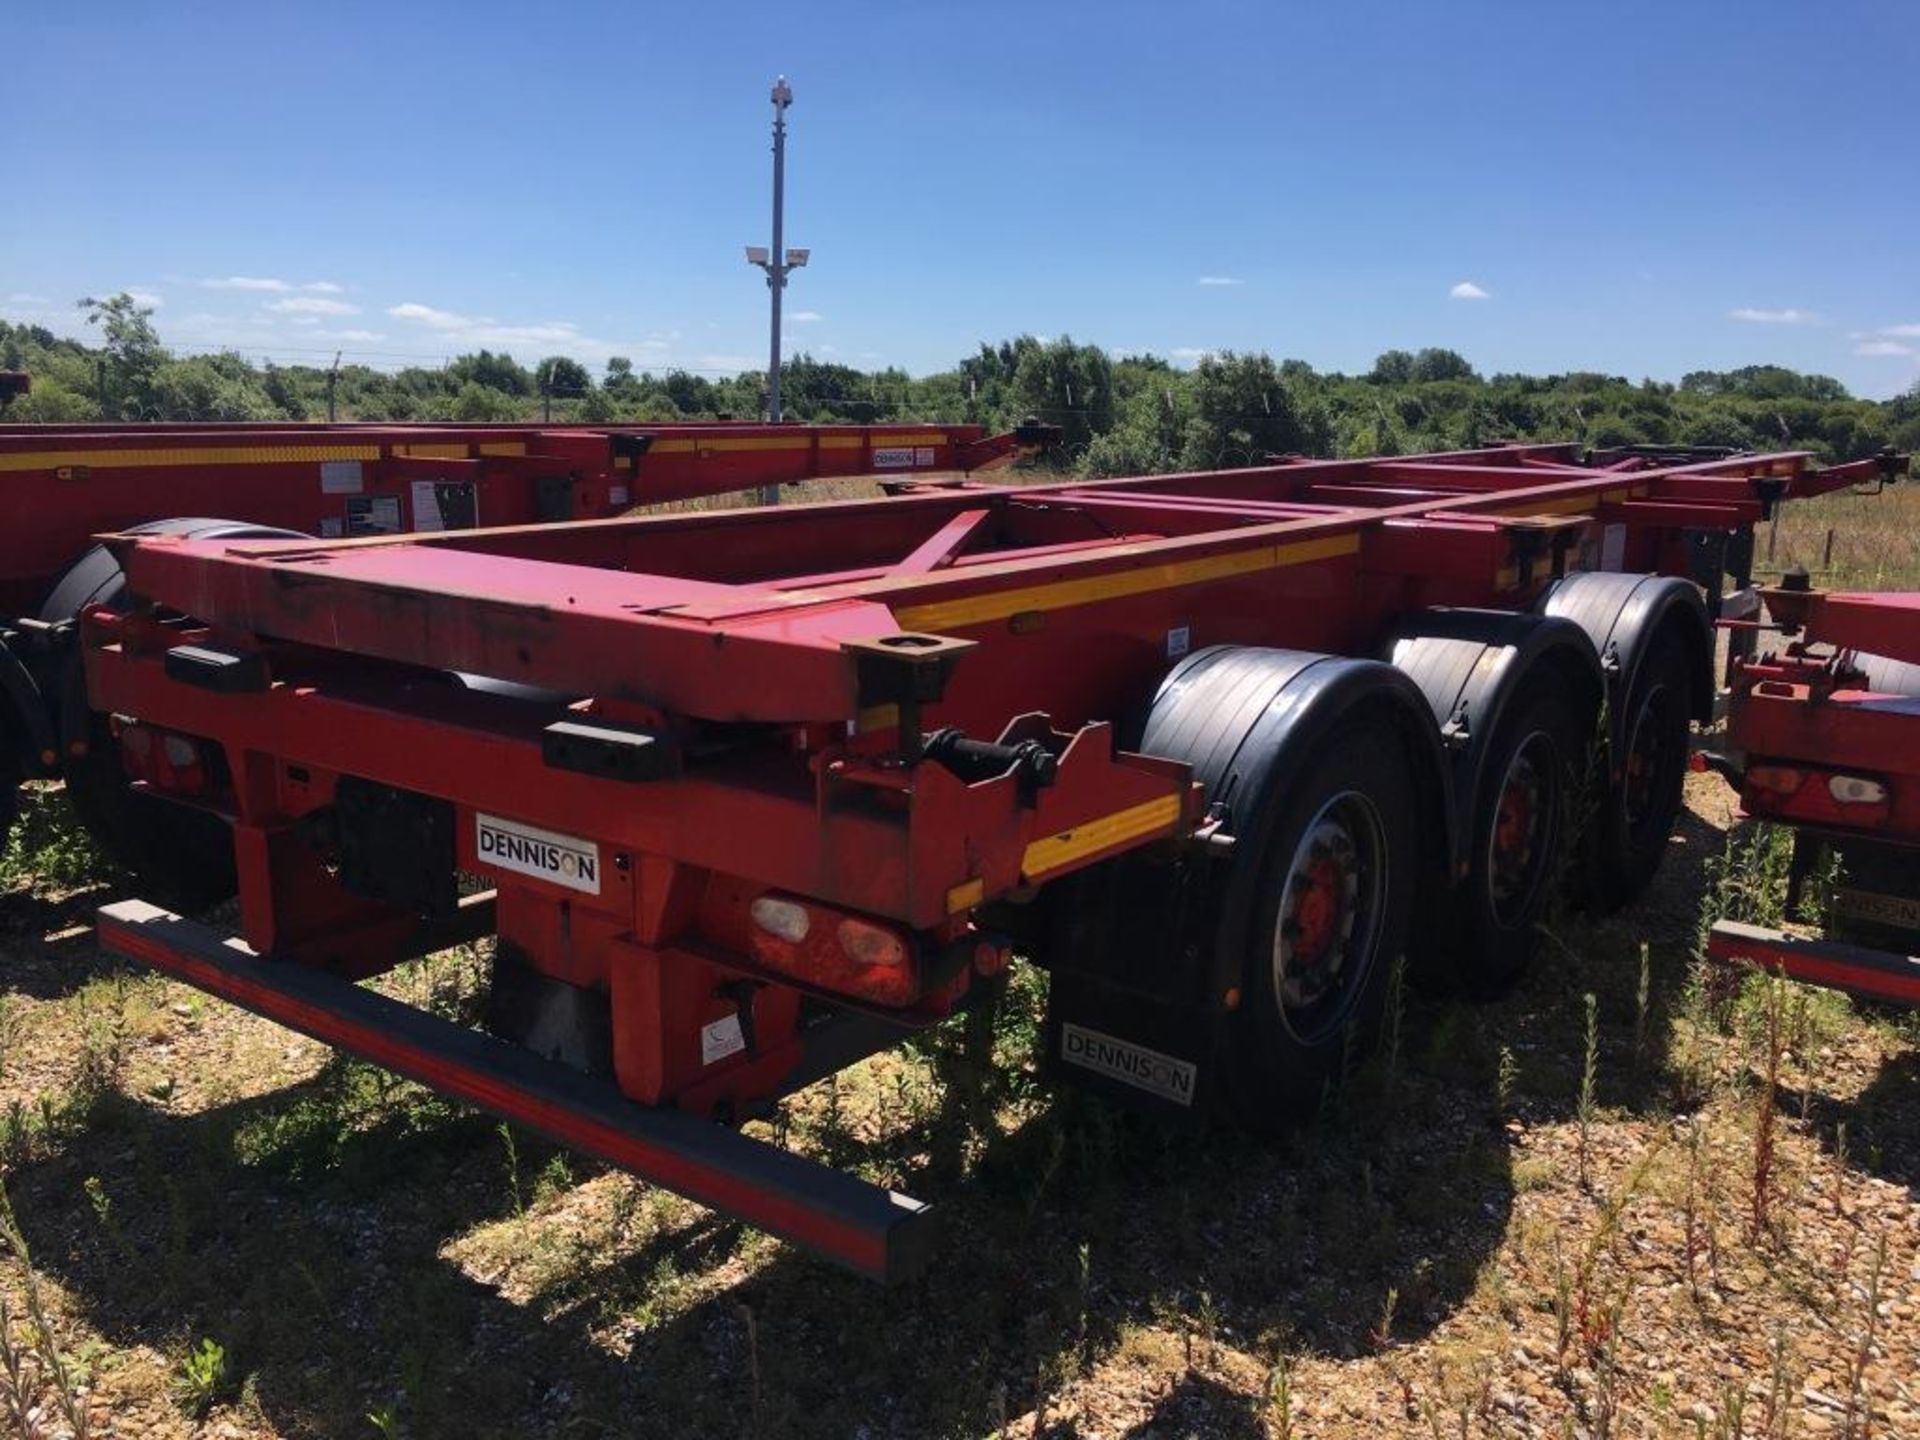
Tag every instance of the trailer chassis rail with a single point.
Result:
(878, 1233)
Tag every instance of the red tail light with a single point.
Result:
(848, 954)
(164, 760)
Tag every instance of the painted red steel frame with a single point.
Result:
(752, 638)
(724, 618)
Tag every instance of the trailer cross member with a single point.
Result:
(877, 1233)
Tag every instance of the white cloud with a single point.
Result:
(311, 305)
(1773, 317)
(1220, 280)
(323, 287)
(1467, 290)
(427, 315)
(355, 335)
(1190, 353)
(805, 317)
(244, 282)
(1876, 348)
(21, 297)
(1910, 331)
(145, 297)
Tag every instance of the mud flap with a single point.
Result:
(1127, 1013)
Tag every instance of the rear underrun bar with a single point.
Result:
(874, 1232)
(1870, 974)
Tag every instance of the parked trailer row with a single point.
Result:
(60, 485)
(753, 795)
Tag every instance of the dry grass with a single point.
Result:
(1849, 541)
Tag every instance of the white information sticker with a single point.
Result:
(1179, 641)
(721, 1039)
(544, 854)
(426, 506)
(923, 455)
(342, 477)
(893, 459)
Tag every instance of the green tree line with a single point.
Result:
(1119, 414)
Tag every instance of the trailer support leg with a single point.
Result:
(874, 1232)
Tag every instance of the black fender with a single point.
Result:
(97, 579)
(1887, 676)
(1146, 949)
(1470, 664)
(1622, 615)
(1247, 720)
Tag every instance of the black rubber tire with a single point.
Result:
(1638, 814)
(1493, 938)
(1276, 1073)
(182, 854)
(9, 796)
(1887, 676)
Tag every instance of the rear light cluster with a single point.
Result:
(847, 954)
(174, 763)
(1860, 799)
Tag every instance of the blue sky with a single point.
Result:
(1640, 189)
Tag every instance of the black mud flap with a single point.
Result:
(1127, 1016)
(1874, 900)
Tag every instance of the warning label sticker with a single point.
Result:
(544, 854)
(342, 477)
(721, 1039)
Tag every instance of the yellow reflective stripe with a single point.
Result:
(966, 895)
(443, 451)
(939, 616)
(504, 447)
(925, 437)
(683, 447)
(1097, 835)
(842, 442)
(224, 455)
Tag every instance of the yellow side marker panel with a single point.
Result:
(894, 442)
(717, 445)
(222, 455)
(938, 617)
(504, 447)
(966, 895)
(1095, 836)
(445, 450)
(842, 442)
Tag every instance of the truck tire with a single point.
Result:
(1517, 846)
(1887, 676)
(183, 853)
(1332, 906)
(1516, 697)
(1328, 775)
(9, 797)
(1654, 738)
(1653, 636)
